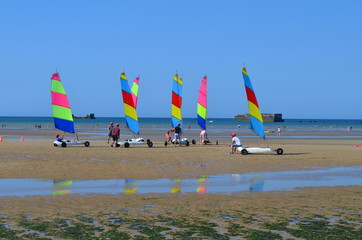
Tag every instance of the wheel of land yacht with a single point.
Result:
(280, 151)
(244, 151)
(55, 145)
(187, 143)
(126, 145)
(193, 141)
(150, 144)
(64, 144)
(86, 144)
(165, 143)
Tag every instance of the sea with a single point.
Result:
(216, 125)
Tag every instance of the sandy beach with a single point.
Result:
(35, 157)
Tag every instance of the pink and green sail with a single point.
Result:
(134, 90)
(202, 104)
(62, 114)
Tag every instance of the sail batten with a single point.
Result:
(62, 113)
(202, 104)
(129, 105)
(176, 112)
(256, 119)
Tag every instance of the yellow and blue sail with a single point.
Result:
(202, 104)
(129, 105)
(62, 114)
(176, 112)
(256, 120)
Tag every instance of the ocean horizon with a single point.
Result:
(164, 123)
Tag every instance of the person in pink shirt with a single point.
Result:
(115, 134)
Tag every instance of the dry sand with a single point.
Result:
(37, 158)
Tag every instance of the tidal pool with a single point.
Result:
(216, 184)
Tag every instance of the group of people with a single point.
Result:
(113, 133)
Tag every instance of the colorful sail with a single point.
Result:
(202, 104)
(256, 120)
(62, 114)
(129, 105)
(176, 111)
(134, 90)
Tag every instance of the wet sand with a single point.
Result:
(35, 157)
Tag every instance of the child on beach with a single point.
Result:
(168, 137)
(58, 138)
(235, 142)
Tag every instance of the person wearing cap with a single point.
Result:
(58, 138)
(235, 142)
(115, 134)
(110, 129)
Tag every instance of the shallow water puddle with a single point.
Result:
(218, 184)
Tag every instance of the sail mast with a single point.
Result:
(202, 104)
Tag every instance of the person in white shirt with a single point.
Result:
(235, 142)
(203, 136)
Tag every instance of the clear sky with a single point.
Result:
(304, 58)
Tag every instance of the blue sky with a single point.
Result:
(303, 57)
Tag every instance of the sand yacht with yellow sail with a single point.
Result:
(256, 119)
(130, 99)
(62, 113)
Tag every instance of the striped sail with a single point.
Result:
(176, 111)
(256, 120)
(129, 105)
(62, 114)
(202, 104)
(134, 90)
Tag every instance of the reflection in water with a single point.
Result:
(219, 184)
(61, 187)
(201, 184)
(131, 186)
(176, 185)
(256, 183)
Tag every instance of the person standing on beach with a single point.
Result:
(110, 129)
(115, 134)
(203, 136)
(235, 142)
(279, 131)
(178, 132)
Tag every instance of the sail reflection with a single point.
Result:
(256, 184)
(176, 185)
(201, 184)
(61, 187)
(131, 186)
